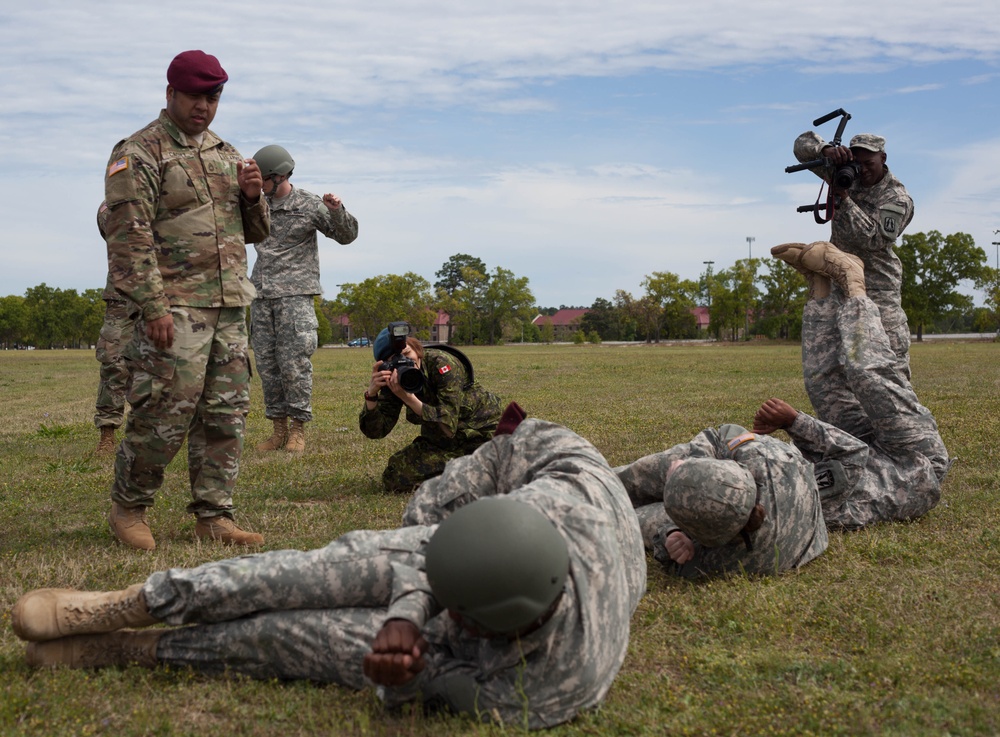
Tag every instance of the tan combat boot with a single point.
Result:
(224, 530)
(107, 442)
(130, 526)
(279, 436)
(846, 270)
(49, 614)
(791, 253)
(97, 651)
(296, 437)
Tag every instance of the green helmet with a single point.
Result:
(710, 499)
(497, 562)
(274, 160)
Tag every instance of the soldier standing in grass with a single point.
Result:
(182, 204)
(120, 316)
(868, 218)
(508, 597)
(286, 275)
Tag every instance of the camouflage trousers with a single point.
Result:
(284, 614)
(199, 388)
(897, 329)
(421, 460)
(283, 337)
(854, 382)
(116, 332)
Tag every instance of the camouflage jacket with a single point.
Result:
(451, 411)
(288, 259)
(867, 224)
(177, 221)
(567, 665)
(793, 532)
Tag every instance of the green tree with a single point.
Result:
(933, 265)
(13, 321)
(507, 301)
(627, 314)
(729, 306)
(546, 330)
(785, 295)
(675, 298)
(600, 319)
(324, 333)
(452, 275)
(989, 282)
(465, 306)
(379, 300)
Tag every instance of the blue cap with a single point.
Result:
(382, 348)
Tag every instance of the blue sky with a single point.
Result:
(583, 144)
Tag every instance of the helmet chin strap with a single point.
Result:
(273, 179)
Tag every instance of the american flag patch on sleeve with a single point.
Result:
(116, 166)
(740, 439)
(444, 369)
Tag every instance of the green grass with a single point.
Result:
(894, 631)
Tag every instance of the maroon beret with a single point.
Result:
(196, 72)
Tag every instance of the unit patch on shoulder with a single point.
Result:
(118, 165)
(444, 369)
(740, 440)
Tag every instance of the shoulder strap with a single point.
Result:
(460, 356)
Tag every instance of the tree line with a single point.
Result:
(754, 297)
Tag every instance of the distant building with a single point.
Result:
(564, 323)
(701, 318)
(441, 329)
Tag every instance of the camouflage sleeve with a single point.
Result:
(256, 219)
(338, 224)
(447, 382)
(834, 451)
(132, 191)
(377, 423)
(809, 147)
(643, 479)
(412, 599)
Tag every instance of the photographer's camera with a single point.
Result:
(410, 377)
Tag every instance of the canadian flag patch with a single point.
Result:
(444, 369)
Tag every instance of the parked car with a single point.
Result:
(358, 343)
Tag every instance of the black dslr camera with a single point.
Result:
(410, 377)
(843, 177)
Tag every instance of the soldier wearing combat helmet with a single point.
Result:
(182, 204)
(286, 275)
(507, 596)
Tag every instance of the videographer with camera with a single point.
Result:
(437, 386)
(869, 208)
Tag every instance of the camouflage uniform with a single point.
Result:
(793, 532)
(120, 316)
(867, 225)
(878, 453)
(455, 421)
(313, 615)
(176, 226)
(282, 317)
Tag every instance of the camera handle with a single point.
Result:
(831, 200)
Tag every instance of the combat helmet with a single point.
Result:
(710, 499)
(497, 562)
(273, 160)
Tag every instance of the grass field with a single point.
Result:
(894, 631)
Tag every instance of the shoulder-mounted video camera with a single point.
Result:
(843, 176)
(410, 377)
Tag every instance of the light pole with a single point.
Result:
(708, 281)
(750, 240)
(997, 244)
